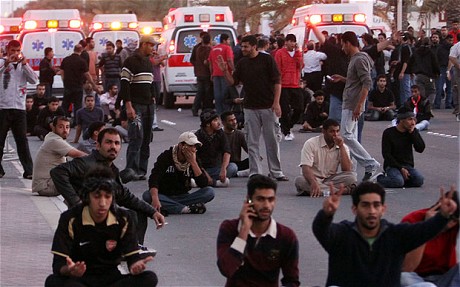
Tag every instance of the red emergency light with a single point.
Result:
(220, 17)
(188, 18)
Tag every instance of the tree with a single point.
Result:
(451, 8)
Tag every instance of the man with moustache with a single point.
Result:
(252, 249)
(52, 152)
(370, 250)
(68, 179)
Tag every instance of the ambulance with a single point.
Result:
(333, 18)
(60, 29)
(113, 27)
(154, 28)
(9, 30)
(182, 27)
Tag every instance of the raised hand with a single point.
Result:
(331, 203)
(447, 204)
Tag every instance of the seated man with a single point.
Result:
(108, 101)
(254, 248)
(170, 180)
(237, 141)
(381, 102)
(31, 115)
(93, 131)
(40, 101)
(436, 260)
(233, 99)
(52, 152)
(46, 116)
(94, 236)
(87, 115)
(397, 144)
(214, 154)
(315, 114)
(321, 157)
(421, 107)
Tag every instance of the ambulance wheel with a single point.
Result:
(168, 100)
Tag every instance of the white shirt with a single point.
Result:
(455, 51)
(106, 99)
(14, 96)
(311, 61)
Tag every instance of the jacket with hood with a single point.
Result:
(289, 67)
(424, 61)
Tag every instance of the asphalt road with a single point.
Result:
(187, 245)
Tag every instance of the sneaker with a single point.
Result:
(370, 176)
(27, 176)
(197, 208)
(375, 176)
(223, 184)
(242, 173)
(289, 137)
(146, 252)
(157, 129)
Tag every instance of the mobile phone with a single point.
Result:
(251, 204)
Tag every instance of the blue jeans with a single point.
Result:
(404, 88)
(335, 108)
(220, 86)
(214, 172)
(394, 178)
(15, 120)
(349, 129)
(440, 81)
(138, 152)
(412, 279)
(174, 204)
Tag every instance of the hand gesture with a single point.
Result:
(331, 203)
(447, 204)
(338, 141)
(189, 154)
(223, 66)
(432, 211)
(139, 266)
(159, 219)
(247, 214)
(76, 269)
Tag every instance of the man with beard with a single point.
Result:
(370, 250)
(53, 152)
(253, 248)
(68, 179)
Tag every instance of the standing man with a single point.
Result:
(74, 71)
(252, 249)
(290, 63)
(224, 51)
(320, 160)
(92, 238)
(68, 179)
(14, 75)
(92, 59)
(397, 145)
(203, 98)
(52, 152)
(262, 86)
(110, 66)
(312, 63)
(442, 54)
(454, 61)
(138, 95)
(171, 179)
(357, 84)
(47, 71)
(370, 250)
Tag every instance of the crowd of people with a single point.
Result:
(260, 87)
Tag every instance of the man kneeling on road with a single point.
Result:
(93, 237)
(321, 157)
(68, 179)
(171, 179)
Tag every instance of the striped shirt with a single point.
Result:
(136, 80)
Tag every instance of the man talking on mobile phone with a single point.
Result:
(253, 248)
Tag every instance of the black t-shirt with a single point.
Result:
(74, 68)
(381, 99)
(211, 152)
(259, 76)
(46, 71)
(336, 63)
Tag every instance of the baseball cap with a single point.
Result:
(148, 39)
(208, 115)
(189, 138)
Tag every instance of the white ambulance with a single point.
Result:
(154, 28)
(59, 29)
(333, 18)
(113, 27)
(9, 30)
(181, 33)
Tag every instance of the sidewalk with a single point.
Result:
(27, 224)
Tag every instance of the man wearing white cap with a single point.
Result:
(170, 179)
(138, 94)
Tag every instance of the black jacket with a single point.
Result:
(68, 179)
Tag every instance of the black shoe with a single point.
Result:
(157, 129)
(367, 176)
(27, 176)
(282, 178)
(127, 175)
(197, 208)
(140, 177)
(41, 137)
(2, 174)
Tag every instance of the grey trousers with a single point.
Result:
(346, 178)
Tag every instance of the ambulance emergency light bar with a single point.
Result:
(9, 29)
(52, 24)
(115, 25)
(147, 30)
(333, 19)
(189, 18)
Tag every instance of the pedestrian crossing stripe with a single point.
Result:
(442, 135)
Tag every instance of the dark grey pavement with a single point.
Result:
(186, 246)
